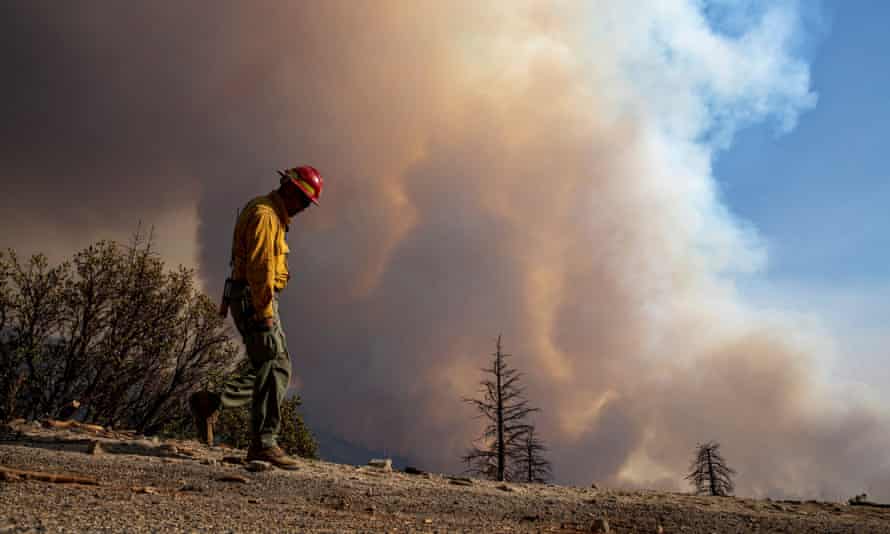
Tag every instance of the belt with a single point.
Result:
(242, 284)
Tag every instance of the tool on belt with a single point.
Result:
(227, 288)
(226, 297)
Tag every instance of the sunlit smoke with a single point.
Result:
(539, 170)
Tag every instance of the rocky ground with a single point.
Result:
(119, 482)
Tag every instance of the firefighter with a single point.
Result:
(259, 274)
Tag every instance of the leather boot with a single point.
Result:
(274, 455)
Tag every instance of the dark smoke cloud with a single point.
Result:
(481, 180)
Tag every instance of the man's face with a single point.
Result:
(295, 200)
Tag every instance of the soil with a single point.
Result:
(145, 485)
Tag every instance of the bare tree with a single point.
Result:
(530, 464)
(709, 473)
(505, 410)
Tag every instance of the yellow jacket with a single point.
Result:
(259, 251)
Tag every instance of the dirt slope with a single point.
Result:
(151, 486)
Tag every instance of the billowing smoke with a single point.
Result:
(534, 169)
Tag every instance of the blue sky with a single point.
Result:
(820, 195)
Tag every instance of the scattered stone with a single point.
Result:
(505, 487)
(594, 487)
(257, 466)
(95, 448)
(146, 490)
(192, 487)
(414, 471)
(209, 461)
(428, 521)
(371, 509)
(659, 529)
(236, 460)
(600, 525)
(253, 501)
(460, 481)
(384, 465)
(233, 478)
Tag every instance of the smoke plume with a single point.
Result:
(536, 169)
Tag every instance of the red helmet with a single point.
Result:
(307, 178)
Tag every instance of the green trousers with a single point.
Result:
(262, 382)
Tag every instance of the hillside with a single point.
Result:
(129, 483)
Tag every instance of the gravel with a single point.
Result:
(185, 487)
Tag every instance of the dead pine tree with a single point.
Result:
(505, 410)
(531, 466)
(709, 473)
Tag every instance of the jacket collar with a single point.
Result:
(278, 204)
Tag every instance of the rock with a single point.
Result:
(209, 461)
(460, 481)
(253, 501)
(95, 447)
(147, 490)
(236, 460)
(414, 471)
(381, 464)
(233, 478)
(505, 487)
(594, 486)
(257, 466)
(600, 525)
